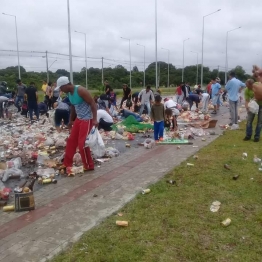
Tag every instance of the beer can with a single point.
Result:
(146, 191)
(47, 181)
(226, 222)
(8, 208)
(122, 223)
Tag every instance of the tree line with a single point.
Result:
(118, 75)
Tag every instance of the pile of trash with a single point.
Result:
(189, 116)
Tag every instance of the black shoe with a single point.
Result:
(214, 112)
(256, 139)
(247, 138)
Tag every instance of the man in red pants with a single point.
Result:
(83, 116)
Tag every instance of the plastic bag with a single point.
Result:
(10, 172)
(197, 131)
(15, 162)
(91, 139)
(46, 172)
(60, 142)
(149, 143)
(52, 117)
(49, 142)
(42, 156)
(112, 152)
(77, 159)
(253, 107)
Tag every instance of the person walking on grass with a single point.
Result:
(234, 87)
(249, 95)
(158, 116)
(32, 97)
(146, 96)
(83, 116)
(215, 91)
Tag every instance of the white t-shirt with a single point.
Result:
(102, 114)
(170, 103)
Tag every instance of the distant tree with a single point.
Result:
(135, 69)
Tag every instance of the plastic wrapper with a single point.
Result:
(112, 152)
(45, 172)
(75, 170)
(253, 107)
(118, 136)
(197, 131)
(15, 162)
(52, 117)
(77, 159)
(149, 143)
(49, 142)
(60, 142)
(12, 171)
(42, 156)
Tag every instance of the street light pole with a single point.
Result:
(130, 60)
(196, 67)
(226, 64)
(85, 55)
(203, 45)
(102, 70)
(47, 74)
(144, 64)
(183, 58)
(167, 65)
(156, 41)
(17, 46)
(70, 46)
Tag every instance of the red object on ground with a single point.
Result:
(76, 139)
(4, 194)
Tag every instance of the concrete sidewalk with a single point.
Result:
(68, 209)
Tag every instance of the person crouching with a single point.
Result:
(158, 116)
(61, 113)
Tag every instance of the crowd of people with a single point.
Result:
(78, 111)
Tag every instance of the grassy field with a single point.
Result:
(174, 223)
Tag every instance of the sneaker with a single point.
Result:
(214, 112)
(235, 127)
(161, 139)
(247, 138)
(256, 139)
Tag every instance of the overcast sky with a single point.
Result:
(43, 25)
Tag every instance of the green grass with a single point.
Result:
(175, 223)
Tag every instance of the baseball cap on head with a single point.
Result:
(61, 81)
(218, 79)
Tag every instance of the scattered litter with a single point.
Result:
(226, 222)
(95, 195)
(260, 169)
(178, 147)
(149, 143)
(215, 206)
(256, 159)
(235, 177)
(203, 139)
(9, 208)
(120, 214)
(195, 156)
(195, 146)
(146, 191)
(244, 156)
(189, 164)
(172, 182)
(226, 166)
(122, 223)
(212, 133)
(128, 145)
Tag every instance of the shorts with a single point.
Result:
(175, 112)
(60, 115)
(215, 100)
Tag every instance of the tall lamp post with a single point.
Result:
(85, 55)
(19, 73)
(183, 58)
(203, 45)
(70, 45)
(167, 65)
(226, 63)
(156, 42)
(196, 66)
(144, 64)
(129, 59)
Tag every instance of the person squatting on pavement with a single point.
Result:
(234, 87)
(146, 96)
(83, 116)
(172, 112)
(158, 116)
(249, 95)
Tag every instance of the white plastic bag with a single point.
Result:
(112, 152)
(96, 143)
(49, 141)
(253, 107)
(15, 162)
(149, 143)
(52, 117)
(42, 156)
(12, 171)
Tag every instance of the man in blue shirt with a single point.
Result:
(234, 87)
(215, 94)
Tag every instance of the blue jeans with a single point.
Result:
(33, 107)
(158, 130)
(18, 102)
(127, 113)
(147, 104)
(250, 119)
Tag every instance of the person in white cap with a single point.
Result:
(83, 116)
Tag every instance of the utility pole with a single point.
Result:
(217, 71)
(102, 70)
(47, 73)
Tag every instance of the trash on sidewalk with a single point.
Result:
(149, 143)
(9, 208)
(146, 191)
(128, 145)
(172, 182)
(189, 164)
(215, 206)
(195, 157)
(244, 156)
(226, 222)
(122, 223)
(120, 214)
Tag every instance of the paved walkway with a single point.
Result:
(68, 209)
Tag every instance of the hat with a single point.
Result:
(166, 99)
(218, 79)
(61, 81)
